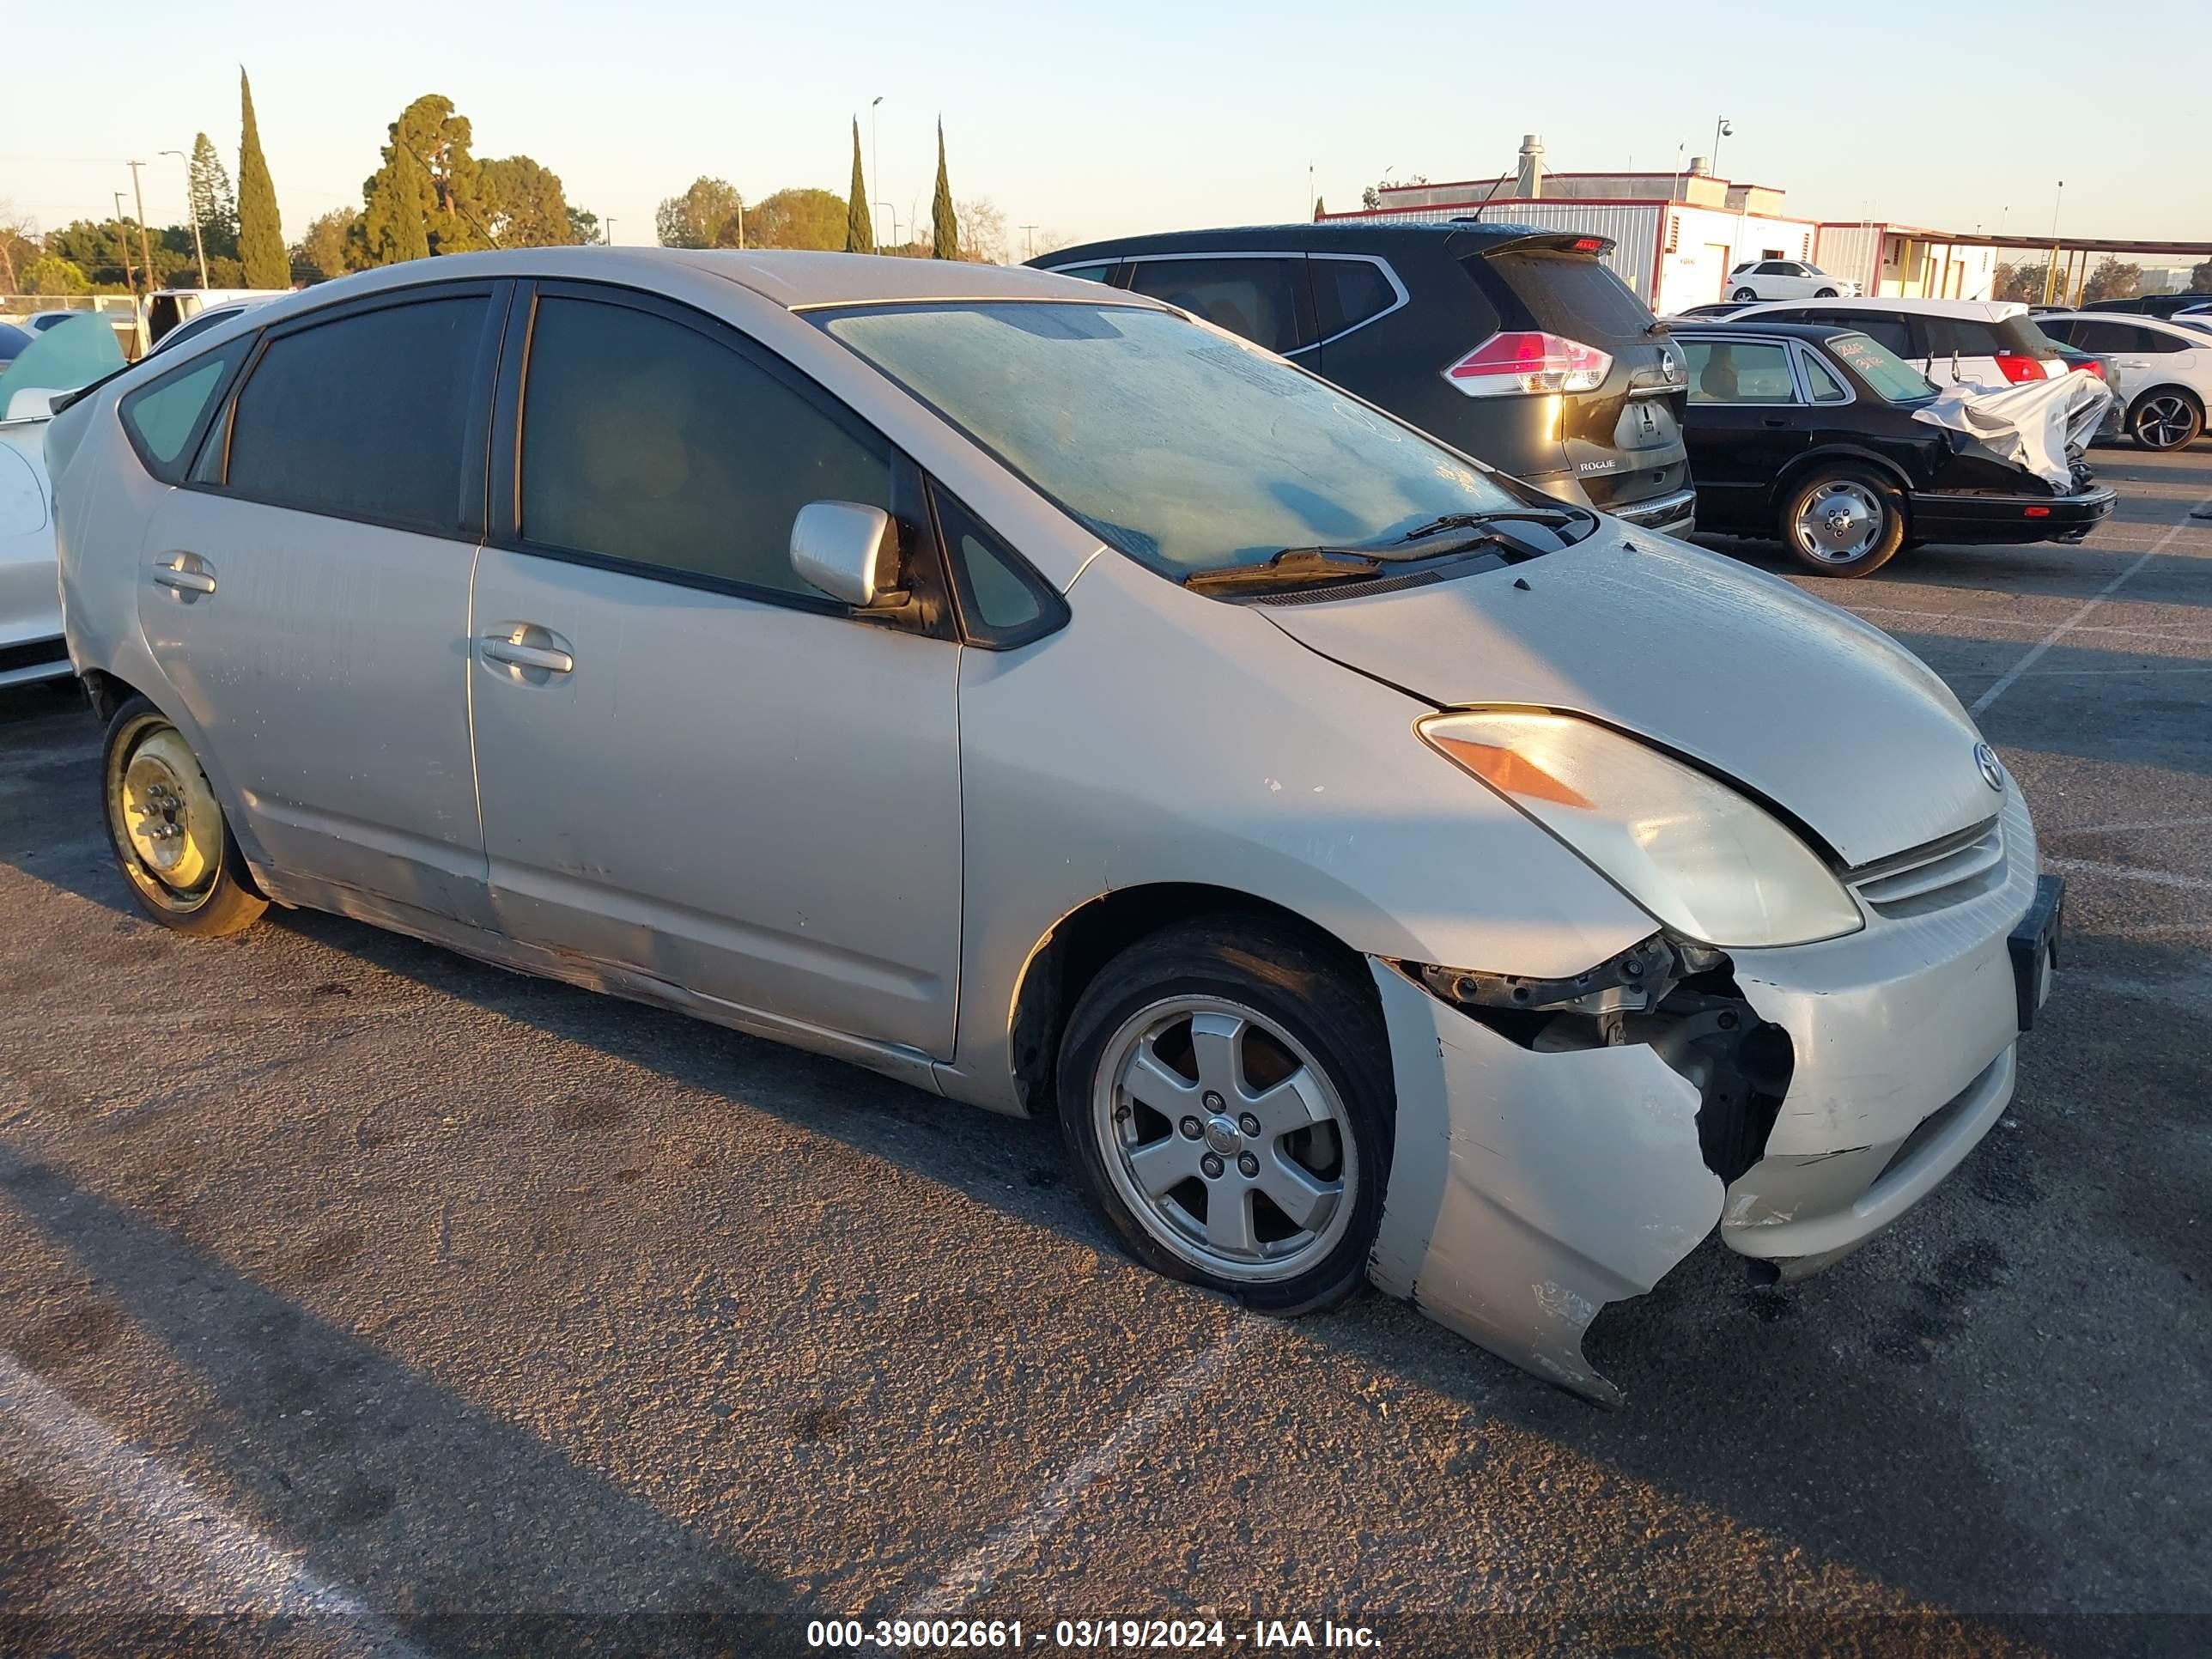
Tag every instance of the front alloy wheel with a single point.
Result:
(1230, 1145)
(1224, 1091)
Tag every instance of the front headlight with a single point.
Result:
(1692, 851)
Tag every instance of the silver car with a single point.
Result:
(1384, 871)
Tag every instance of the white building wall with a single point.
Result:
(1703, 244)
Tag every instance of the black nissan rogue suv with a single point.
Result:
(1515, 345)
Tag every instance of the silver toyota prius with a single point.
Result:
(1385, 872)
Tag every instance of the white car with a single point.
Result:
(1974, 341)
(1786, 279)
(61, 359)
(2165, 369)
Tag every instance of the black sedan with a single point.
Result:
(1804, 431)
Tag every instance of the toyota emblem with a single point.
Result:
(1985, 759)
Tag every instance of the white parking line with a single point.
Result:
(2126, 873)
(980, 1567)
(2034, 653)
(181, 1550)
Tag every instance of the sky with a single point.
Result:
(1109, 119)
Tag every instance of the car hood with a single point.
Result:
(1797, 700)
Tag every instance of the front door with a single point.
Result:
(307, 590)
(692, 764)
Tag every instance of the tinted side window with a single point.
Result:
(2150, 340)
(1346, 293)
(1739, 372)
(1255, 298)
(2060, 329)
(362, 417)
(645, 441)
(2094, 334)
(1089, 273)
(1826, 388)
(160, 418)
(1891, 330)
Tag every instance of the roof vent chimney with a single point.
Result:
(1528, 181)
(1701, 166)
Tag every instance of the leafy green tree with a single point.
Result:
(213, 204)
(429, 197)
(860, 233)
(48, 274)
(326, 249)
(527, 207)
(943, 219)
(704, 215)
(805, 218)
(105, 251)
(583, 224)
(2113, 280)
(260, 234)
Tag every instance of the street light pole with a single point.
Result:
(876, 163)
(1029, 242)
(1722, 129)
(192, 206)
(2051, 266)
(608, 233)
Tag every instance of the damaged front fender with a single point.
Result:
(1530, 1187)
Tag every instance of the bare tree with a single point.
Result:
(982, 232)
(17, 236)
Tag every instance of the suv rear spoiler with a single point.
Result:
(1535, 236)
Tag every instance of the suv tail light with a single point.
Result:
(1518, 364)
(2095, 366)
(2018, 366)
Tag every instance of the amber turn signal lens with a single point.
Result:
(1512, 773)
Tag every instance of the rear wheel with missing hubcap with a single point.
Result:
(166, 829)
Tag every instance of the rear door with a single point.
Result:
(692, 764)
(1746, 423)
(306, 589)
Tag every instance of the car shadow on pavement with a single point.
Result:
(465, 1533)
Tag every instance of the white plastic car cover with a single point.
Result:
(2032, 424)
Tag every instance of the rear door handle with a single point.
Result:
(498, 648)
(185, 573)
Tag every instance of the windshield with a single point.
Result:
(1182, 449)
(1891, 377)
(63, 358)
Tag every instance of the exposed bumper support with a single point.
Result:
(1504, 1155)
(1673, 514)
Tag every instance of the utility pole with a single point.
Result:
(1029, 242)
(192, 206)
(880, 243)
(123, 241)
(610, 231)
(2051, 267)
(145, 253)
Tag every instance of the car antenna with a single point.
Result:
(1475, 218)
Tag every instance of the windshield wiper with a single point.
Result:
(1298, 566)
(1544, 515)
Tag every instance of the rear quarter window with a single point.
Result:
(161, 419)
(1571, 294)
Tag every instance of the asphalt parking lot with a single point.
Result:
(357, 1297)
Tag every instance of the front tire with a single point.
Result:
(1842, 521)
(1224, 1090)
(2166, 418)
(1824, 294)
(167, 830)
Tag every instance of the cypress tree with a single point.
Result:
(860, 233)
(260, 237)
(944, 221)
(1320, 210)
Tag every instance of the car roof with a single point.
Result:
(2146, 319)
(794, 278)
(1326, 236)
(1740, 325)
(1981, 311)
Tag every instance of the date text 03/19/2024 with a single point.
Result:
(1157, 1635)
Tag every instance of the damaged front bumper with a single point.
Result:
(1562, 1144)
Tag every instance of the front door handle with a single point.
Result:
(185, 573)
(499, 647)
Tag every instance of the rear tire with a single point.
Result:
(1842, 521)
(2166, 417)
(1225, 1093)
(1745, 294)
(167, 830)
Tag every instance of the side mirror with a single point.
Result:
(849, 551)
